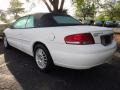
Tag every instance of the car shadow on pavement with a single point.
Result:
(26, 72)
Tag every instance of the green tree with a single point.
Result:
(111, 9)
(3, 16)
(57, 5)
(116, 11)
(100, 17)
(85, 8)
(15, 8)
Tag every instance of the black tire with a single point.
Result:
(6, 44)
(49, 64)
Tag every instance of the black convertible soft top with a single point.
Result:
(39, 15)
(45, 19)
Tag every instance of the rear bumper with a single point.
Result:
(83, 57)
(83, 61)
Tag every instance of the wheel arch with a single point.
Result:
(38, 42)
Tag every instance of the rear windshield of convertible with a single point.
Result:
(64, 20)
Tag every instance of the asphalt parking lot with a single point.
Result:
(19, 71)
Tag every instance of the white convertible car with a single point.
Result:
(58, 39)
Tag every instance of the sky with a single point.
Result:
(38, 7)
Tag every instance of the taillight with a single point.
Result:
(79, 39)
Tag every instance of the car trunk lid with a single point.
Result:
(100, 34)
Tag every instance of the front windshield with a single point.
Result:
(66, 20)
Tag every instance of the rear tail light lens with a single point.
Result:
(79, 39)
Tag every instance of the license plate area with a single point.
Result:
(106, 39)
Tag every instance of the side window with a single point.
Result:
(47, 21)
(20, 23)
(30, 22)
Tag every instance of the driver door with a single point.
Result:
(15, 33)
